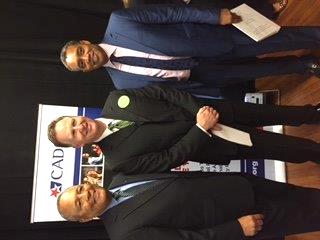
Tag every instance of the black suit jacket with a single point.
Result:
(165, 134)
(188, 206)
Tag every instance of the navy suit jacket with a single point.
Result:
(171, 30)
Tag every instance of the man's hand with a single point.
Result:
(227, 17)
(207, 117)
(251, 224)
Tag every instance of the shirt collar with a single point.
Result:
(109, 49)
(107, 131)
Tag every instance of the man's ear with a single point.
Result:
(85, 42)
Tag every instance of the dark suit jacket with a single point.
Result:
(191, 206)
(172, 30)
(165, 134)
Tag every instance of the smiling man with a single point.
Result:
(84, 56)
(186, 46)
(194, 206)
(75, 131)
(83, 202)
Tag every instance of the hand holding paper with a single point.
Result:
(254, 24)
(232, 135)
(207, 117)
(227, 17)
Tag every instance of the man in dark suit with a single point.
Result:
(194, 206)
(188, 47)
(163, 128)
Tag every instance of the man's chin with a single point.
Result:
(92, 68)
(97, 66)
(102, 198)
(88, 70)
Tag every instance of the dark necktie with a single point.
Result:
(117, 125)
(133, 191)
(174, 64)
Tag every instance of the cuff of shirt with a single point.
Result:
(205, 131)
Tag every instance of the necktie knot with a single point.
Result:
(118, 124)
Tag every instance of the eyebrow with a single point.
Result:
(72, 125)
(77, 50)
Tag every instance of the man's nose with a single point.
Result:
(83, 195)
(78, 127)
(86, 56)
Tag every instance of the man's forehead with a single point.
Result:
(61, 129)
(67, 199)
(71, 58)
(63, 122)
(67, 196)
(71, 55)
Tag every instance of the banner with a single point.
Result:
(58, 168)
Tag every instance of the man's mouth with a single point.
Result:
(88, 128)
(93, 57)
(90, 59)
(95, 196)
(85, 128)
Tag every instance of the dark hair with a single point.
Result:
(63, 56)
(52, 133)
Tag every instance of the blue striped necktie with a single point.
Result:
(173, 64)
(133, 191)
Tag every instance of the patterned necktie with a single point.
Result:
(174, 64)
(118, 124)
(134, 191)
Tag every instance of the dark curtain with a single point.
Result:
(32, 34)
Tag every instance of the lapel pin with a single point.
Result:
(123, 101)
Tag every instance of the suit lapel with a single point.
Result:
(111, 110)
(113, 140)
(121, 179)
(122, 41)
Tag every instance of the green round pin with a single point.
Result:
(123, 101)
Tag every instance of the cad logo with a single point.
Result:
(57, 172)
(55, 188)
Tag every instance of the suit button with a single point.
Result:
(113, 36)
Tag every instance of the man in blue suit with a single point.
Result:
(188, 47)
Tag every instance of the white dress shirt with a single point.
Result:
(107, 131)
(154, 72)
